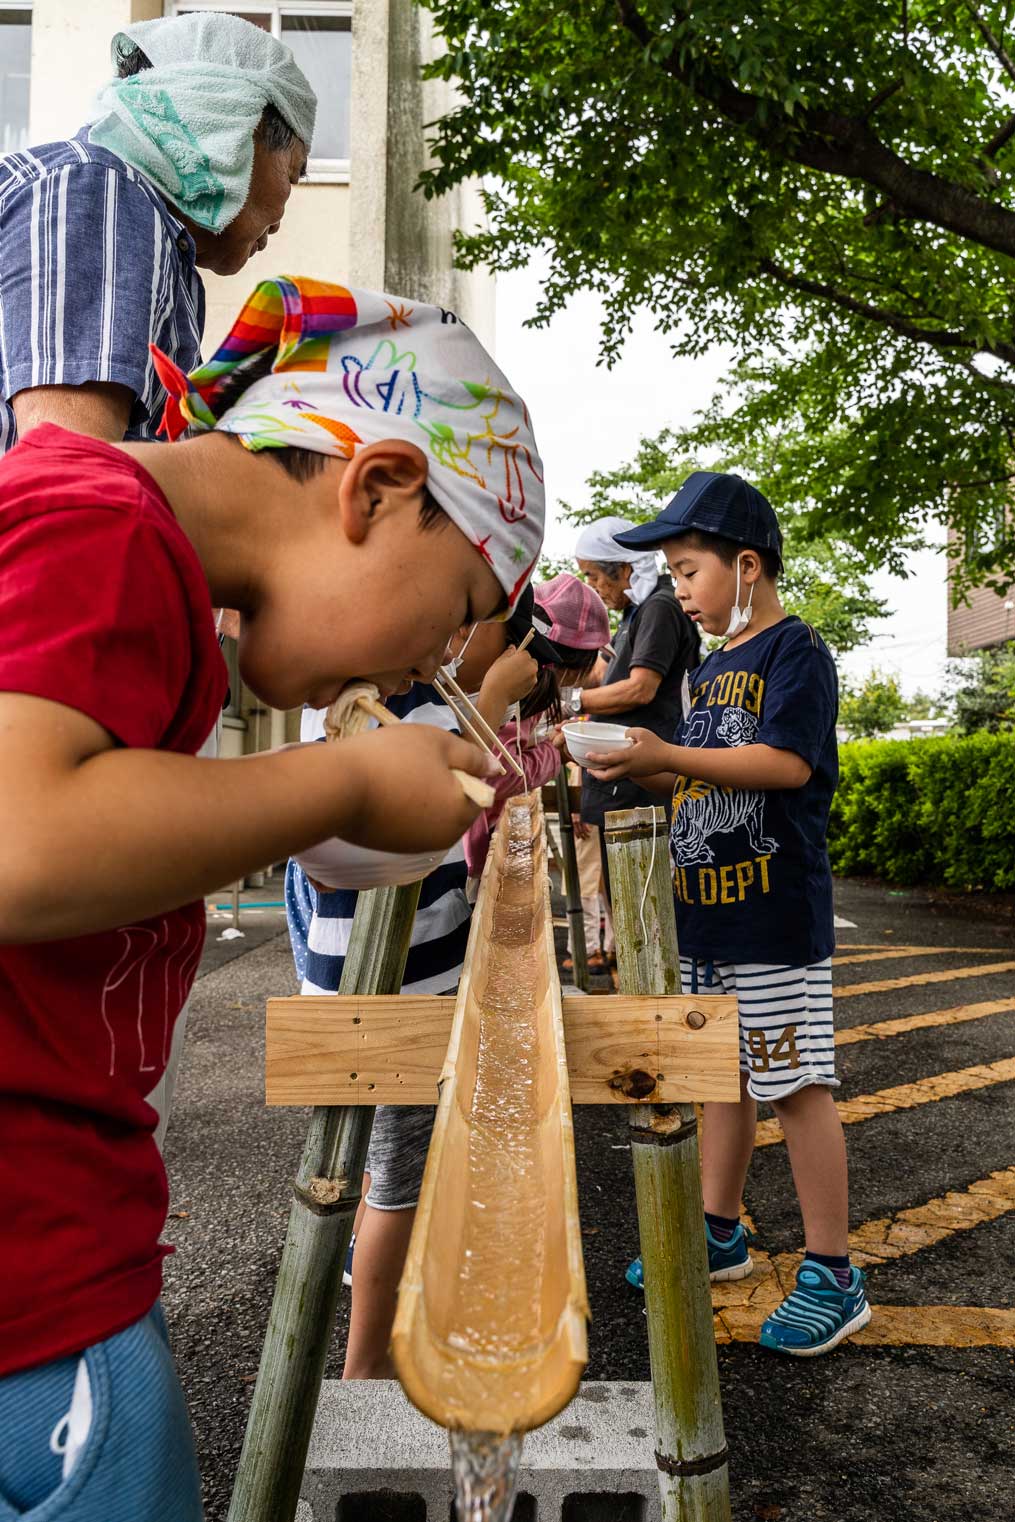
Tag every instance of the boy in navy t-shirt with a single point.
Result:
(752, 776)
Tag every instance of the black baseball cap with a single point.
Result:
(714, 503)
(528, 616)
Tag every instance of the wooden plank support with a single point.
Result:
(690, 1442)
(335, 1049)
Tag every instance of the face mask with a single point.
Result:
(739, 617)
(451, 666)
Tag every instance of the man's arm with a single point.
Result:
(743, 766)
(96, 835)
(619, 697)
(99, 409)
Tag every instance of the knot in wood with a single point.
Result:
(695, 1019)
(634, 1083)
(325, 1191)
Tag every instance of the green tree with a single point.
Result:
(872, 708)
(984, 696)
(823, 582)
(828, 189)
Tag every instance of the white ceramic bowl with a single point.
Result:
(598, 738)
(341, 865)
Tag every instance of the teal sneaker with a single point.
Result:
(726, 1260)
(818, 1314)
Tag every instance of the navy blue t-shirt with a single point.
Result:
(750, 869)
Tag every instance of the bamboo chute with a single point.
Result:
(490, 1333)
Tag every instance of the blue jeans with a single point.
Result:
(102, 1436)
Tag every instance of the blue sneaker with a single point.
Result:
(818, 1314)
(347, 1270)
(726, 1260)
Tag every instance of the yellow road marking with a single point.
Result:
(740, 1308)
(898, 952)
(885, 985)
(906, 1096)
(955, 1016)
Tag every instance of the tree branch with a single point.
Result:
(839, 145)
(940, 338)
(995, 44)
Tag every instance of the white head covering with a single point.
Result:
(596, 542)
(187, 123)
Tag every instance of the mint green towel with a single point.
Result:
(187, 123)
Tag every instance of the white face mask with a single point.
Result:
(740, 617)
(451, 666)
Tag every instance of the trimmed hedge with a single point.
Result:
(940, 812)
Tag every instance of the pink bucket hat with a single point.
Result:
(577, 615)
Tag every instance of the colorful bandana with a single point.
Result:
(350, 367)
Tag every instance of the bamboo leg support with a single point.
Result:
(326, 1193)
(572, 885)
(690, 1441)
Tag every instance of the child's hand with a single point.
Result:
(645, 757)
(408, 800)
(511, 677)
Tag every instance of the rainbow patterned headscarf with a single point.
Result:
(349, 367)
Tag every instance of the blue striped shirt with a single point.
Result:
(320, 924)
(93, 267)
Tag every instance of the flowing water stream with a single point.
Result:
(485, 1468)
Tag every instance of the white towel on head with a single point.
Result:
(188, 122)
(596, 542)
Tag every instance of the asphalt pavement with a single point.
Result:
(914, 1421)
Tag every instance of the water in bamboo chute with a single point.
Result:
(489, 1339)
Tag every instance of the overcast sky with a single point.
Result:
(590, 418)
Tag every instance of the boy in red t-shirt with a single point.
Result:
(364, 470)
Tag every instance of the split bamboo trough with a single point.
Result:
(491, 1328)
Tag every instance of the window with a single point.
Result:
(15, 70)
(320, 36)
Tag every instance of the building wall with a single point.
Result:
(373, 231)
(987, 620)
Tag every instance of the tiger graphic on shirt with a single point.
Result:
(702, 810)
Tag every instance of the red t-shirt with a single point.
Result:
(104, 607)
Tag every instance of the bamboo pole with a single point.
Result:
(326, 1193)
(690, 1442)
(572, 884)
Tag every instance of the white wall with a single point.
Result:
(70, 58)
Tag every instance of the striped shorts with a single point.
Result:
(786, 1038)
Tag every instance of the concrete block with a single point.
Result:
(374, 1458)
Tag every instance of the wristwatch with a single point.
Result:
(574, 702)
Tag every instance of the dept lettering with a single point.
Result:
(729, 884)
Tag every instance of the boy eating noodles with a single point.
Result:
(346, 445)
(752, 779)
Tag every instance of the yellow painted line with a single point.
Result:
(922, 1226)
(905, 1097)
(740, 1308)
(898, 952)
(917, 980)
(880, 1029)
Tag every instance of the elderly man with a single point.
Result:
(188, 161)
(655, 646)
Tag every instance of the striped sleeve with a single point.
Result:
(83, 263)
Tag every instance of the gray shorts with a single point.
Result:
(399, 1143)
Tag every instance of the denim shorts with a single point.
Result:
(102, 1436)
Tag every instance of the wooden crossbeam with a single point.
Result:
(330, 1049)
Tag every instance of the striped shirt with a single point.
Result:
(320, 924)
(93, 268)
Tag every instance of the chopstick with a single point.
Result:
(465, 709)
(468, 728)
(473, 787)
